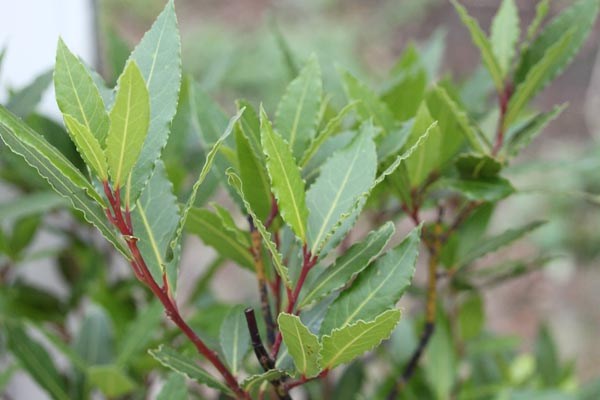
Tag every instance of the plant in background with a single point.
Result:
(421, 148)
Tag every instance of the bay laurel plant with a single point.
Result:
(422, 148)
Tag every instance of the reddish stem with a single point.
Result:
(503, 100)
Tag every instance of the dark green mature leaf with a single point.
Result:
(483, 189)
(474, 166)
(174, 388)
(369, 104)
(494, 243)
(482, 42)
(441, 366)
(234, 338)
(235, 181)
(111, 380)
(377, 288)
(59, 172)
(302, 344)
(538, 76)
(158, 55)
(343, 178)
(345, 344)
(525, 133)
(129, 120)
(94, 342)
(187, 367)
(155, 219)
(139, 332)
(24, 102)
(471, 318)
(349, 264)
(209, 227)
(35, 360)
(547, 358)
(77, 94)
(286, 182)
(505, 33)
(580, 17)
(297, 114)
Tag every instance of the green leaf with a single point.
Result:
(129, 120)
(298, 111)
(35, 360)
(252, 382)
(369, 104)
(579, 17)
(530, 129)
(208, 162)
(94, 342)
(209, 227)
(471, 318)
(483, 189)
(281, 269)
(332, 127)
(187, 367)
(483, 44)
(505, 33)
(155, 219)
(441, 366)
(494, 243)
(343, 178)
(30, 204)
(111, 380)
(302, 344)
(174, 388)
(377, 288)
(253, 171)
(286, 180)
(158, 56)
(64, 178)
(88, 147)
(234, 338)
(230, 225)
(77, 95)
(426, 158)
(139, 332)
(345, 344)
(349, 264)
(24, 102)
(541, 11)
(538, 76)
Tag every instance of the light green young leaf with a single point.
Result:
(377, 288)
(298, 110)
(505, 33)
(541, 10)
(302, 344)
(139, 332)
(209, 227)
(369, 104)
(77, 94)
(95, 339)
(174, 388)
(329, 130)
(440, 369)
(253, 171)
(483, 44)
(343, 178)
(426, 158)
(349, 264)
(129, 120)
(187, 367)
(253, 382)
(580, 18)
(35, 360)
(230, 225)
(24, 101)
(530, 129)
(538, 76)
(345, 344)
(64, 178)
(482, 189)
(88, 147)
(111, 380)
(208, 162)
(234, 338)
(30, 204)
(158, 56)
(235, 181)
(286, 181)
(155, 219)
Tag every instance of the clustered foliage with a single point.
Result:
(423, 148)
